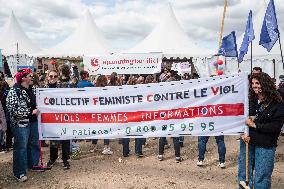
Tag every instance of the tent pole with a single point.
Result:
(238, 66)
(18, 62)
(274, 71)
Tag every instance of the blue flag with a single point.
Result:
(269, 31)
(1, 63)
(248, 37)
(229, 46)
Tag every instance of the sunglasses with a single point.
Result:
(29, 76)
(53, 76)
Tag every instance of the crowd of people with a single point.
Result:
(19, 124)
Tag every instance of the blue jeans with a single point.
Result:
(202, 141)
(33, 145)
(26, 148)
(125, 146)
(138, 146)
(162, 143)
(21, 138)
(261, 160)
(95, 141)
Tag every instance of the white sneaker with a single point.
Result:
(200, 163)
(160, 157)
(21, 178)
(94, 149)
(107, 151)
(222, 165)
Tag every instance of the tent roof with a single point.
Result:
(13, 34)
(169, 38)
(259, 51)
(87, 39)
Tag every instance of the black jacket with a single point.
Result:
(268, 123)
(19, 106)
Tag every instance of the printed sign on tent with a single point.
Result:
(208, 106)
(14, 61)
(182, 67)
(123, 64)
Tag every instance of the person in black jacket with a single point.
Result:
(4, 89)
(281, 90)
(266, 112)
(63, 82)
(21, 110)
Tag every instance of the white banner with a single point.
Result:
(207, 106)
(15, 61)
(123, 64)
(182, 67)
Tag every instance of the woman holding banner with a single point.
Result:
(265, 122)
(102, 82)
(138, 141)
(176, 140)
(63, 82)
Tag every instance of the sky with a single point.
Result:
(127, 22)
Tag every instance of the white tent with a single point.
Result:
(169, 38)
(85, 40)
(14, 35)
(261, 57)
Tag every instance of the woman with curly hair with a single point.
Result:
(266, 110)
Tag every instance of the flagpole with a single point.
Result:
(222, 23)
(281, 49)
(222, 27)
(251, 57)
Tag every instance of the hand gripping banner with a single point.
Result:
(202, 107)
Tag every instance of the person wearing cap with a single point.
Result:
(21, 110)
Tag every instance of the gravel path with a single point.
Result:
(94, 170)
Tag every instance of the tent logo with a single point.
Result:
(95, 64)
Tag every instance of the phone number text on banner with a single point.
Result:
(203, 107)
